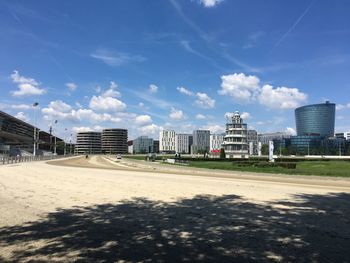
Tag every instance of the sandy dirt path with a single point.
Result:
(105, 212)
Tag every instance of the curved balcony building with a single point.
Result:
(114, 141)
(236, 141)
(88, 143)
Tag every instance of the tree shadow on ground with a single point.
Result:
(315, 228)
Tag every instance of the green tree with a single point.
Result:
(222, 153)
(265, 149)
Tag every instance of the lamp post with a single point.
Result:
(65, 144)
(35, 104)
(70, 144)
(51, 131)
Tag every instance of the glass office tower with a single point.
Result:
(316, 119)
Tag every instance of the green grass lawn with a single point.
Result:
(325, 168)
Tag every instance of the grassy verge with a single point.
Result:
(136, 157)
(329, 168)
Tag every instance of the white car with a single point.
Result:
(119, 157)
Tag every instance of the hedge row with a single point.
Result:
(288, 165)
(261, 159)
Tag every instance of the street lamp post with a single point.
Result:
(35, 104)
(55, 145)
(70, 144)
(65, 144)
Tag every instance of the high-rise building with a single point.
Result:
(143, 144)
(235, 141)
(201, 141)
(314, 123)
(315, 119)
(114, 141)
(216, 141)
(88, 143)
(182, 143)
(167, 141)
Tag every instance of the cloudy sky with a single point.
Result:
(181, 64)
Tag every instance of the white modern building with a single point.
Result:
(182, 143)
(201, 141)
(167, 141)
(235, 141)
(345, 135)
(216, 141)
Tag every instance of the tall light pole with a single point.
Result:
(65, 144)
(54, 151)
(35, 104)
(70, 144)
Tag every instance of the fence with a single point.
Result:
(22, 159)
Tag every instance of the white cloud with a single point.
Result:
(343, 106)
(214, 128)
(153, 88)
(246, 89)
(156, 102)
(151, 129)
(141, 104)
(78, 105)
(210, 3)
(86, 129)
(228, 115)
(281, 97)
(59, 105)
(62, 111)
(90, 115)
(204, 101)
(291, 131)
(71, 86)
(245, 115)
(81, 129)
(185, 91)
(200, 117)
(22, 106)
(240, 87)
(112, 58)
(26, 86)
(176, 114)
(111, 91)
(143, 119)
(20, 115)
(110, 104)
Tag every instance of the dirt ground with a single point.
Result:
(97, 210)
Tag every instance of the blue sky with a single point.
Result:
(173, 64)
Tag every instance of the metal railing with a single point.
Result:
(22, 159)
